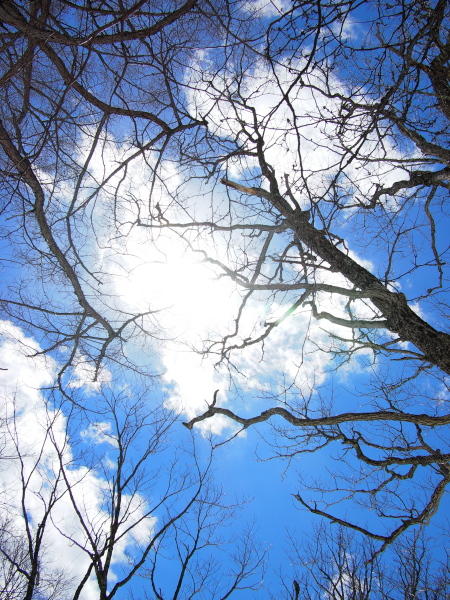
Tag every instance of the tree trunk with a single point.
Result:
(400, 318)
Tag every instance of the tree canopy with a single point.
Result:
(296, 152)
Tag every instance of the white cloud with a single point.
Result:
(99, 433)
(347, 29)
(323, 144)
(266, 8)
(152, 270)
(37, 433)
(86, 375)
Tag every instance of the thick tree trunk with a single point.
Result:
(400, 318)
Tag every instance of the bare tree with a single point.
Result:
(319, 136)
(337, 565)
(120, 502)
(87, 93)
(17, 567)
(93, 97)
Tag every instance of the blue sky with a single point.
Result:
(124, 210)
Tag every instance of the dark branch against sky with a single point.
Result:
(247, 196)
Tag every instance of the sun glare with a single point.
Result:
(192, 299)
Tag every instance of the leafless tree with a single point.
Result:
(17, 566)
(124, 503)
(87, 92)
(319, 134)
(337, 142)
(338, 566)
(93, 95)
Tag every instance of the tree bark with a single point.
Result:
(394, 308)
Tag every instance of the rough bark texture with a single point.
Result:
(400, 318)
(381, 415)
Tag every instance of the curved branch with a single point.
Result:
(416, 178)
(305, 422)
(353, 324)
(399, 316)
(23, 165)
(423, 517)
(69, 80)
(10, 15)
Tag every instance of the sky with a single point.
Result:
(191, 307)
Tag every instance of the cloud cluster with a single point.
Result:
(42, 478)
(154, 270)
(306, 137)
